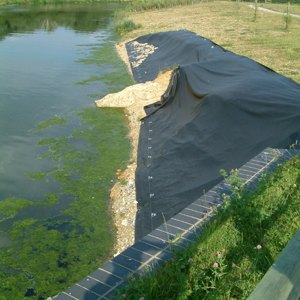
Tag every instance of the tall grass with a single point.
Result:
(44, 2)
(140, 5)
(126, 26)
(123, 24)
(236, 248)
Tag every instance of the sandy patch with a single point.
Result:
(121, 50)
(123, 194)
(143, 50)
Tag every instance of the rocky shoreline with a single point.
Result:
(123, 194)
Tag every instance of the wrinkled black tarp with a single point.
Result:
(220, 111)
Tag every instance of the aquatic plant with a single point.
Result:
(46, 253)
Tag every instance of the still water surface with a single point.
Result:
(40, 75)
(54, 62)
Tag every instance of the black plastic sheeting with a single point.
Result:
(220, 110)
(174, 48)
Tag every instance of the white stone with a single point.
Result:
(124, 222)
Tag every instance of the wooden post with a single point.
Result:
(282, 281)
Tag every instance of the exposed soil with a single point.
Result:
(123, 196)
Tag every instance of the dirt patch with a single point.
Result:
(123, 194)
(121, 50)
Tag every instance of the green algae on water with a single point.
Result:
(55, 121)
(57, 239)
(11, 206)
(48, 254)
(92, 78)
(105, 54)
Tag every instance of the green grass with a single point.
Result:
(141, 5)
(135, 5)
(236, 248)
(125, 26)
(282, 7)
(266, 40)
(43, 2)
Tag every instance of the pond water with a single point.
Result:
(58, 153)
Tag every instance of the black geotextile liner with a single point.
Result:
(174, 48)
(220, 110)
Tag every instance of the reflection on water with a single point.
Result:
(81, 18)
(55, 177)
(38, 76)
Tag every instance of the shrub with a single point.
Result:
(126, 26)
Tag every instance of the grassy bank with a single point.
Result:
(282, 7)
(135, 5)
(231, 25)
(142, 5)
(43, 2)
(237, 247)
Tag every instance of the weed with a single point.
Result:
(141, 5)
(213, 273)
(126, 26)
(236, 247)
(122, 177)
(235, 182)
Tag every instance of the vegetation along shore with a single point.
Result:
(231, 267)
